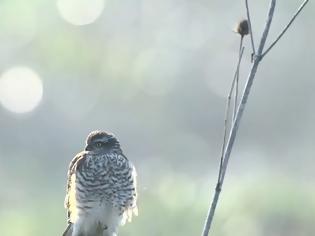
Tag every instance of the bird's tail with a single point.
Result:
(68, 231)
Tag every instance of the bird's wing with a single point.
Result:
(76, 161)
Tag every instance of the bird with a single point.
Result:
(101, 192)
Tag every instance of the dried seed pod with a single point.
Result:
(242, 28)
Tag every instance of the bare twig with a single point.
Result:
(249, 83)
(228, 144)
(235, 123)
(237, 76)
(236, 95)
(219, 182)
(227, 110)
(250, 28)
(285, 28)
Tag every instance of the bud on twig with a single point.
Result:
(242, 28)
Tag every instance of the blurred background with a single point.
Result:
(156, 73)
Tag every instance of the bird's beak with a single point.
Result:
(88, 148)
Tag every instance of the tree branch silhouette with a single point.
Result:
(236, 118)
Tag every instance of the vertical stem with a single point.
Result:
(236, 121)
(241, 107)
(237, 79)
(227, 110)
(250, 28)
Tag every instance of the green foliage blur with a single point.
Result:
(156, 73)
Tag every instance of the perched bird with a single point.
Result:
(101, 188)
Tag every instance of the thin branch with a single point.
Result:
(227, 110)
(227, 146)
(219, 182)
(285, 28)
(250, 28)
(235, 123)
(236, 95)
(237, 77)
(249, 83)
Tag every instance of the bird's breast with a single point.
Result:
(102, 179)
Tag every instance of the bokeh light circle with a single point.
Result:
(80, 12)
(21, 89)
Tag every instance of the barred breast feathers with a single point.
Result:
(124, 185)
(120, 189)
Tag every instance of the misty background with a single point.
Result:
(156, 74)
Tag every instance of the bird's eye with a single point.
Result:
(99, 144)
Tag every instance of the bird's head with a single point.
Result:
(101, 141)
